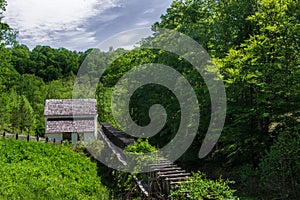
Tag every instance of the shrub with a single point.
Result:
(140, 146)
(199, 187)
(139, 154)
(279, 169)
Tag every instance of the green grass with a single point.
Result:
(31, 170)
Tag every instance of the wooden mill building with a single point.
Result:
(71, 119)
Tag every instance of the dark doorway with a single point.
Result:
(67, 136)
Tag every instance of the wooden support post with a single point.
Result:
(4, 134)
(47, 139)
(17, 136)
(28, 138)
(37, 138)
(54, 140)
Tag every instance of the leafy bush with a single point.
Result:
(279, 170)
(199, 187)
(139, 152)
(31, 170)
(140, 146)
(246, 180)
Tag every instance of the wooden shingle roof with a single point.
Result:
(70, 107)
(70, 126)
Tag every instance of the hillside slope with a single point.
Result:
(31, 170)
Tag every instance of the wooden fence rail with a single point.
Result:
(31, 138)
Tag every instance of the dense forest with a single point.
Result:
(256, 46)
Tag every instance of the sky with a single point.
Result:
(82, 24)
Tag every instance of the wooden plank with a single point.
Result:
(142, 187)
(170, 172)
(176, 178)
(153, 172)
(168, 168)
(161, 166)
(166, 183)
(160, 163)
(177, 175)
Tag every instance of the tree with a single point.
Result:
(261, 78)
(53, 64)
(35, 91)
(23, 118)
(8, 75)
(68, 61)
(216, 25)
(193, 18)
(5, 115)
(7, 34)
(27, 117)
(21, 58)
(60, 89)
(279, 170)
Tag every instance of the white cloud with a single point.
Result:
(46, 21)
(127, 39)
(143, 23)
(77, 40)
(79, 24)
(149, 11)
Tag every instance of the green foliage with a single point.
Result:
(141, 146)
(199, 187)
(8, 75)
(216, 25)
(32, 170)
(7, 34)
(52, 64)
(27, 89)
(24, 116)
(60, 89)
(279, 169)
(246, 180)
(35, 90)
(261, 76)
(138, 151)
(21, 58)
